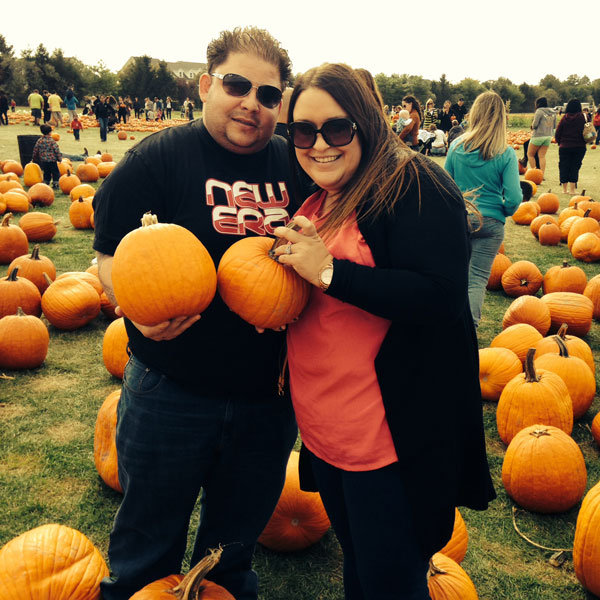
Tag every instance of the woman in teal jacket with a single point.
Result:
(482, 164)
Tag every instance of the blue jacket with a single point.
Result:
(496, 181)
(71, 102)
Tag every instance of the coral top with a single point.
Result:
(331, 354)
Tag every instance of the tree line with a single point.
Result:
(55, 72)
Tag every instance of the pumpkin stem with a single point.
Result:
(565, 264)
(35, 253)
(538, 433)
(562, 347)
(434, 569)
(562, 332)
(530, 374)
(47, 278)
(191, 585)
(20, 312)
(5, 220)
(149, 219)
(12, 276)
(587, 212)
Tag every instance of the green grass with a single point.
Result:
(47, 418)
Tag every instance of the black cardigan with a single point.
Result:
(428, 363)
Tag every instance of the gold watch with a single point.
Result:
(325, 276)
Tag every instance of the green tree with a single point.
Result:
(507, 90)
(104, 81)
(7, 66)
(442, 90)
(164, 82)
(137, 78)
(529, 95)
(468, 89)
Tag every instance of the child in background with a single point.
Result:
(403, 120)
(438, 144)
(47, 153)
(76, 126)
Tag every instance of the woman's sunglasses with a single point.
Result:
(336, 132)
(238, 86)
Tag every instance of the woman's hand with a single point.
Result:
(305, 252)
(167, 330)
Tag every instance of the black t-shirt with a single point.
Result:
(183, 176)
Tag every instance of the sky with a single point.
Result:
(520, 40)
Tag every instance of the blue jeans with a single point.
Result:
(171, 443)
(371, 517)
(485, 244)
(103, 121)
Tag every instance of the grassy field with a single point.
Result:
(47, 421)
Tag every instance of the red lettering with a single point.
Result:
(275, 217)
(250, 219)
(272, 201)
(224, 223)
(244, 194)
(214, 183)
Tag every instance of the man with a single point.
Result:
(54, 101)
(459, 110)
(3, 108)
(35, 102)
(199, 407)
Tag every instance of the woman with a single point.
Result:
(543, 126)
(481, 162)
(446, 118)
(571, 146)
(410, 134)
(369, 243)
(430, 115)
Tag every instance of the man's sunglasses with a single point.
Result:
(336, 132)
(238, 86)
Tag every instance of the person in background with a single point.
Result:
(455, 131)
(190, 110)
(76, 126)
(282, 119)
(47, 154)
(195, 415)
(36, 103)
(3, 108)
(54, 102)
(121, 110)
(47, 111)
(586, 114)
(403, 120)
(102, 111)
(13, 105)
(410, 134)
(169, 107)
(543, 126)
(71, 103)
(482, 164)
(366, 246)
(438, 143)
(571, 146)
(459, 110)
(430, 114)
(148, 107)
(596, 124)
(446, 118)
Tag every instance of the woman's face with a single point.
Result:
(330, 167)
(407, 105)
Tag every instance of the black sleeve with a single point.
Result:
(427, 249)
(122, 199)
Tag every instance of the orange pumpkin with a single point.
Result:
(33, 267)
(38, 226)
(299, 519)
(534, 397)
(122, 135)
(528, 309)
(500, 264)
(83, 190)
(80, 213)
(87, 172)
(544, 470)
(497, 366)
(585, 224)
(114, 348)
(575, 345)
(447, 580)
(32, 174)
(573, 309)
(12, 166)
(13, 241)
(161, 271)
(539, 221)
(535, 175)
(67, 182)
(456, 548)
(17, 201)
(105, 447)
(569, 212)
(592, 206)
(549, 234)
(579, 198)
(259, 289)
(518, 338)
(596, 428)
(586, 544)
(104, 168)
(592, 291)
(564, 278)
(521, 278)
(24, 341)
(51, 562)
(526, 213)
(70, 303)
(549, 203)
(586, 247)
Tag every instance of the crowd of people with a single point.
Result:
(369, 212)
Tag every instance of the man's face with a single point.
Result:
(240, 124)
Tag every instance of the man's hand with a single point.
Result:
(167, 330)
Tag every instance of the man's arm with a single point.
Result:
(104, 274)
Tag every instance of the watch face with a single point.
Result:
(327, 275)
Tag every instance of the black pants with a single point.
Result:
(371, 516)
(569, 163)
(4, 117)
(526, 158)
(50, 170)
(76, 133)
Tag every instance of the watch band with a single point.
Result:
(322, 283)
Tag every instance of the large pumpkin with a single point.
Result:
(573, 309)
(299, 520)
(544, 470)
(18, 292)
(518, 338)
(51, 562)
(33, 267)
(586, 544)
(564, 278)
(257, 288)
(23, 341)
(575, 345)
(38, 226)
(70, 303)
(586, 247)
(530, 310)
(105, 447)
(114, 348)
(535, 175)
(521, 278)
(161, 271)
(549, 203)
(41, 193)
(534, 397)
(32, 174)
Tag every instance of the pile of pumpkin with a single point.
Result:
(542, 374)
(578, 224)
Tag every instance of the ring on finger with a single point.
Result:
(288, 249)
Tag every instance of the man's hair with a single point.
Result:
(249, 40)
(45, 129)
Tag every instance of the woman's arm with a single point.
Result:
(511, 186)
